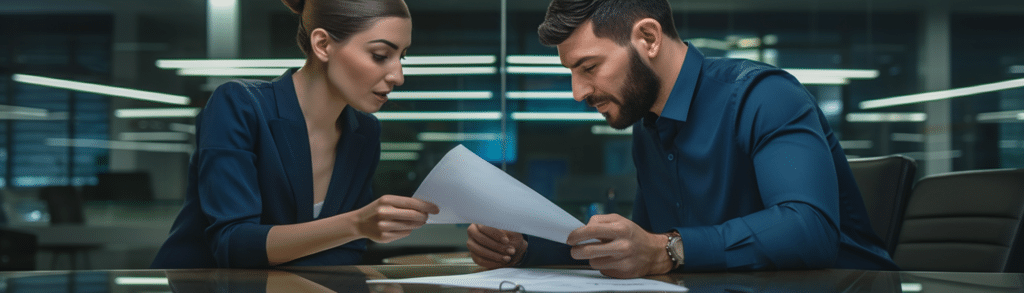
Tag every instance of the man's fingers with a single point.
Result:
(597, 250)
(600, 231)
(499, 235)
(486, 253)
(485, 240)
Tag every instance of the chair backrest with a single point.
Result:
(64, 204)
(885, 184)
(964, 221)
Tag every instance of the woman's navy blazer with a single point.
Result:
(252, 170)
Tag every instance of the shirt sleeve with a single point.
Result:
(227, 179)
(795, 175)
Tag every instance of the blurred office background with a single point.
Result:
(938, 81)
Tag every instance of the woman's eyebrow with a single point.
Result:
(386, 42)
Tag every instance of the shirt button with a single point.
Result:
(671, 157)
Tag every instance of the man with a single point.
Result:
(737, 167)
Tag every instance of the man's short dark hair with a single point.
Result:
(613, 19)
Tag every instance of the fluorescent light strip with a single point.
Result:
(822, 80)
(886, 117)
(460, 136)
(1011, 144)
(141, 281)
(838, 73)
(228, 63)
(856, 144)
(608, 130)
(231, 71)
(908, 137)
(399, 156)
(534, 59)
(439, 116)
(445, 60)
(23, 113)
(936, 155)
(292, 63)
(710, 43)
(941, 95)
(557, 116)
(401, 146)
(911, 287)
(412, 71)
(538, 70)
(1001, 116)
(154, 136)
(538, 95)
(182, 127)
(157, 113)
(450, 95)
(102, 89)
(121, 145)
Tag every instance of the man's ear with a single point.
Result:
(321, 42)
(646, 37)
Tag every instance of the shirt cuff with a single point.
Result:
(703, 248)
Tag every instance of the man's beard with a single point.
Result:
(638, 94)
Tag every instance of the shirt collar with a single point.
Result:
(678, 105)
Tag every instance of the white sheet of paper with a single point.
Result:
(468, 189)
(540, 280)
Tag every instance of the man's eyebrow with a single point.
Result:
(386, 42)
(578, 62)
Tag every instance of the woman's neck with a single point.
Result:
(320, 103)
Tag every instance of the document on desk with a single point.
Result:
(468, 189)
(540, 280)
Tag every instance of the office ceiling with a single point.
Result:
(185, 6)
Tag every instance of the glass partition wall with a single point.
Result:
(95, 92)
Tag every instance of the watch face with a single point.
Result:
(677, 249)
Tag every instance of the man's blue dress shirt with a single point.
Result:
(744, 166)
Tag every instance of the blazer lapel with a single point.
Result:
(350, 174)
(289, 131)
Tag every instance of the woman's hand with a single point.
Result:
(392, 217)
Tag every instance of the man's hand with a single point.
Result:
(494, 248)
(625, 250)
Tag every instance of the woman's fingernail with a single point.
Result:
(507, 258)
(511, 250)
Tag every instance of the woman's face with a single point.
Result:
(366, 67)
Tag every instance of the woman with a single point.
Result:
(282, 171)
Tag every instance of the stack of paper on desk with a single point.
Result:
(541, 280)
(468, 189)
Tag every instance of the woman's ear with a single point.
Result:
(321, 43)
(647, 37)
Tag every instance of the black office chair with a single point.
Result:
(964, 221)
(17, 250)
(885, 184)
(65, 207)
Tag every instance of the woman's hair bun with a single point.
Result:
(295, 5)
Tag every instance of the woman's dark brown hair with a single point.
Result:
(341, 18)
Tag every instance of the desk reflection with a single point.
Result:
(353, 279)
(270, 281)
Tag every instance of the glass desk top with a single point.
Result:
(353, 279)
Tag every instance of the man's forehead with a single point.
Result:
(575, 47)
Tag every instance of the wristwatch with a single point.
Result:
(675, 249)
